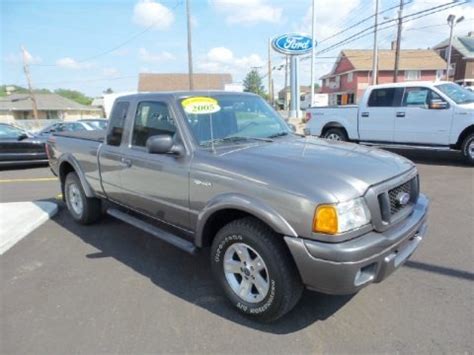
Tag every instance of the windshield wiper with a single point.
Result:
(233, 139)
(279, 134)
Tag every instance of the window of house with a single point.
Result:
(388, 97)
(116, 123)
(338, 81)
(350, 77)
(412, 74)
(152, 118)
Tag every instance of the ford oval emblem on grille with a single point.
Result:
(403, 198)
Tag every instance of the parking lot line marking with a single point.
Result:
(28, 180)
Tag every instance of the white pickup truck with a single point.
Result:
(422, 115)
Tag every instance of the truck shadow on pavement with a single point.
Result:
(188, 277)
(429, 157)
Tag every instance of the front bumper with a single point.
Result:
(346, 267)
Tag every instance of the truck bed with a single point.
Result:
(94, 136)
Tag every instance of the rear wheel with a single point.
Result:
(83, 209)
(255, 269)
(467, 149)
(335, 134)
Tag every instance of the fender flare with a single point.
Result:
(70, 159)
(246, 204)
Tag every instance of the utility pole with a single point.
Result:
(270, 91)
(399, 39)
(26, 69)
(287, 89)
(313, 52)
(375, 51)
(451, 22)
(190, 48)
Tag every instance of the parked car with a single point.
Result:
(421, 115)
(17, 146)
(99, 123)
(223, 170)
(66, 127)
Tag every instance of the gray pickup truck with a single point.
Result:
(222, 170)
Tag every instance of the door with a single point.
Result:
(419, 121)
(377, 118)
(110, 158)
(156, 184)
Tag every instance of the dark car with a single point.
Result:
(66, 127)
(20, 147)
(96, 123)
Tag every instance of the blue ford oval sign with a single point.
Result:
(293, 43)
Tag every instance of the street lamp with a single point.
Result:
(452, 21)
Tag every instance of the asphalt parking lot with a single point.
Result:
(109, 288)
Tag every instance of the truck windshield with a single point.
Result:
(457, 93)
(232, 118)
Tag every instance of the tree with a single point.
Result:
(253, 83)
(108, 91)
(74, 95)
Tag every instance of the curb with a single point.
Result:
(18, 219)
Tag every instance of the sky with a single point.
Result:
(92, 45)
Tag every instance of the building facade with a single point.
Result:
(352, 72)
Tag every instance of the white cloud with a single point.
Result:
(148, 13)
(148, 57)
(13, 58)
(70, 63)
(248, 11)
(223, 60)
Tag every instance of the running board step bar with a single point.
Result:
(154, 231)
(406, 146)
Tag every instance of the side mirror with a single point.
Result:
(292, 127)
(438, 105)
(163, 144)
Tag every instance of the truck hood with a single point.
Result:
(314, 166)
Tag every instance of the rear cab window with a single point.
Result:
(117, 123)
(386, 97)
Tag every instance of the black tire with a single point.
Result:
(466, 149)
(285, 286)
(91, 207)
(336, 134)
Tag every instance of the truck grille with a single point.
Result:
(398, 200)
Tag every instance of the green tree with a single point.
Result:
(253, 83)
(20, 90)
(74, 95)
(108, 91)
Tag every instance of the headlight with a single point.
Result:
(341, 217)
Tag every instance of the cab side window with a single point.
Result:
(152, 118)
(417, 97)
(387, 97)
(116, 123)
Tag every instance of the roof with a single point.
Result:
(44, 102)
(410, 59)
(405, 84)
(173, 82)
(463, 44)
(182, 94)
(302, 88)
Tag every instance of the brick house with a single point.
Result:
(178, 81)
(352, 72)
(462, 58)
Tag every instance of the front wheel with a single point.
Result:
(255, 269)
(335, 134)
(467, 149)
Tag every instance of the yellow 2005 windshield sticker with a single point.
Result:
(200, 105)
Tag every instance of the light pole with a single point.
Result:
(451, 23)
(375, 55)
(313, 51)
(190, 48)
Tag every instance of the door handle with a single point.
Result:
(127, 163)
(364, 114)
(400, 114)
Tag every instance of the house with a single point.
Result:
(179, 82)
(462, 58)
(16, 107)
(352, 72)
(284, 95)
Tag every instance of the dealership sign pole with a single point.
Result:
(294, 45)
